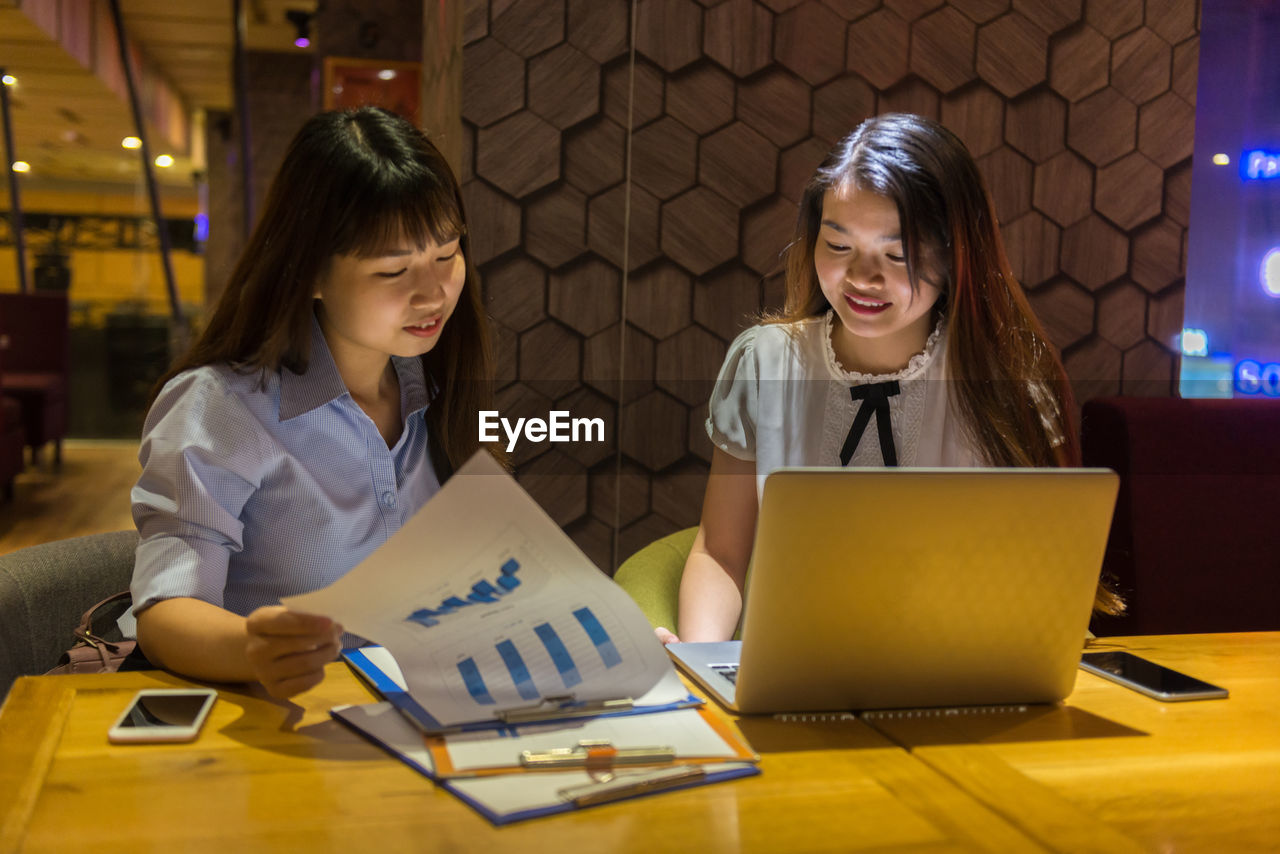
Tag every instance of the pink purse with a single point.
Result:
(99, 647)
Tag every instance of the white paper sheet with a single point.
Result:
(486, 605)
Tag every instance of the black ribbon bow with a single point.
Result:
(875, 399)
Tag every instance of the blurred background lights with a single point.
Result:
(21, 166)
(1261, 165)
(386, 74)
(9, 80)
(1269, 272)
(1195, 342)
(164, 161)
(131, 142)
(1221, 160)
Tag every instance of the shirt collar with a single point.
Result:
(321, 383)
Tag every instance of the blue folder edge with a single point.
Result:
(412, 709)
(744, 770)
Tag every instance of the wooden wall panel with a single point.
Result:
(624, 285)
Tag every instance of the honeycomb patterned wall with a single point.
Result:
(1079, 112)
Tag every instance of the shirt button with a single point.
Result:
(388, 500)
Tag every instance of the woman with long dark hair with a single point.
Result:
(335, 387)
(905, 340)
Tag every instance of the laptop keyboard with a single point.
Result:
(728, 671)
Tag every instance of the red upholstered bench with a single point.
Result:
(38, 365)
(1195, 544)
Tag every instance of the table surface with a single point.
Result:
(1107, 770)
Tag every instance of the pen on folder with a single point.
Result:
(630, 785)
(595, 754)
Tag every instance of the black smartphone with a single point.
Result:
(1149, 678)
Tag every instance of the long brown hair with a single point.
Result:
(351, 182)
(1007, 383)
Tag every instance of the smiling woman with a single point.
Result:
(333, 390)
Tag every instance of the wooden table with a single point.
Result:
(1109, 770)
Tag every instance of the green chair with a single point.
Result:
(652, 576)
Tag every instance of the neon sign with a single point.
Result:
(1254, 378)
(1260, 165)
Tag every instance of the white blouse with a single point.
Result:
(782, 399)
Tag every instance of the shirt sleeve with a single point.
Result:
(202, 460)
(731, 419)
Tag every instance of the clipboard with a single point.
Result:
(377, 669)
(681, 737)
(507, 798)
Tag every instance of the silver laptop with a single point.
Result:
(907, 588)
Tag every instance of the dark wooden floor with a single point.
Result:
(88, 495)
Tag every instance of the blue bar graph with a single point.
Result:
(475, 682)
(604, 644)
(556, 649)
(424, 616)
(519, 672)
(481, 593)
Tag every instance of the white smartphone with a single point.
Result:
(1147, 677)
(163, 715)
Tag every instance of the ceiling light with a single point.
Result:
(131, 142)
(9, 80)
(386, 74)
(21, 166)
(1221, 160)
(301, 21)
(164, 161)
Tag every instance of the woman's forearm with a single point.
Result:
(710, 599)
(196, 639)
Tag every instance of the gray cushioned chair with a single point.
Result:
(45, 589)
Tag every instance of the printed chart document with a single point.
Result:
(487, 606)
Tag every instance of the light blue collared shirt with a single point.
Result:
(252, 493)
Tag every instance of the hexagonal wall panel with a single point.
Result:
(1065, 310)
(1013, 54)
(550, 359)
(595, 539)
(558, 483)
(607, 223)
(1148, 371)
(607, 487)
(677, 493)
(839, 106)
(663, 157)
(602, 356)
(1157, 255)
(594, 155)
(590, 448)
(1177, 194)
(910, 10)
(506, 347)
(688, 363)
(1122, 314)
(529, 27)
(776, 103)
(1094, 368)
(1094, 252)
(475, 22)
(1008, 177)
(1032, 244)
(727, 302)
(911, 96)
(738, 35)
(1115, 17)
(1172, 20)
(1103, 127)
(598, 28)
(516, 289)
(1036, 125)
(738, 163)
(669, 32)
(1128, 191)
(659, 299)
(1141, 64)
(701, 98)
(519, 401)
(1186, 65)
(640, 534)
(564, 86)
(699, 230)
(624, 105)
(653, 430)
(1063, 188)
(976, 115)
(499, 90)
(981, 11)
(555, 226)
(809, 40)
(942, 49)
(1166, 129)
(587, 297)
(797, 164)
(1050, 15)
(1164, 315)
(1079, 63)
(766, 230)
(851, 10)
(501, 218)
(519, 154)
(877, 48)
